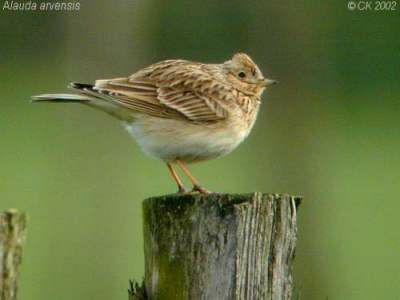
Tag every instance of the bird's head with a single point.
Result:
(242, 72)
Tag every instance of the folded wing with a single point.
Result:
(173, 89)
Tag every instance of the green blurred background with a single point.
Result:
(330, 132)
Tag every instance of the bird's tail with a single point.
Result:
(85, 94)
(68, 97)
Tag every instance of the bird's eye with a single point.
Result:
(242, 74)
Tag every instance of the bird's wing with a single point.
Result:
(173, 89)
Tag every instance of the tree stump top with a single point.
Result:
(219, 246)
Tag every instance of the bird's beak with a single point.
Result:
(267, 82)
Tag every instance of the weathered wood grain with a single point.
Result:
(219, 246)
(12, 235)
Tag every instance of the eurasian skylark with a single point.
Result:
(180, 111)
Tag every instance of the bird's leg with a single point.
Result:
(181, 188)
(196, 186)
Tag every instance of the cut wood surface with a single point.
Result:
(219, 246)
(12, 235)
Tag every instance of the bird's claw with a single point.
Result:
(182, 191)
(200, 189)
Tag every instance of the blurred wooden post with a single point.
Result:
(218, 246)
(12, 235)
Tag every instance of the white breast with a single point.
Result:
(169, 139)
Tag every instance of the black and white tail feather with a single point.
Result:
(67, 97)
(89, 95)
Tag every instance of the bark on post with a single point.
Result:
(219, 246)
(12, 235)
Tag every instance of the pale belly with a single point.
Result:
(169, 140)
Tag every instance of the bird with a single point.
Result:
(180, 111)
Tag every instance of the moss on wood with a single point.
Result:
(12, 235)
(219, 246)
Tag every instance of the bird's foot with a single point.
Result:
(200, 189)
(182, 191)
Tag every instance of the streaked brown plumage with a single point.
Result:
(181, 111)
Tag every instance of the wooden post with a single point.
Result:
(219, 246)
(12, 235)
